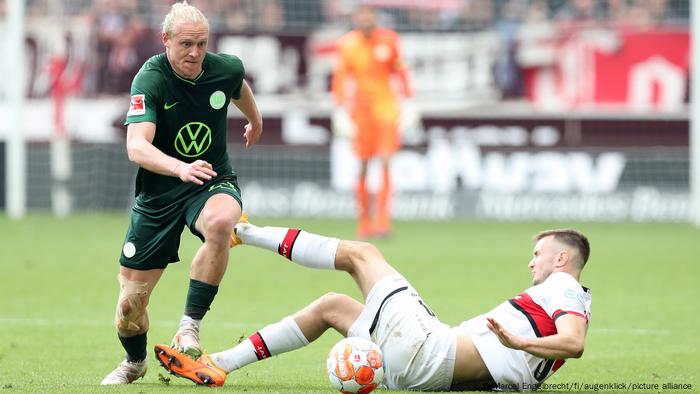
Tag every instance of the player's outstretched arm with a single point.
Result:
(249, 108)
(139, 146)
(568, 342)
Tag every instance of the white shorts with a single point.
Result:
(419, 351)
(508, 367)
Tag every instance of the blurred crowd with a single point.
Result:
(406, 15)
(123, 33)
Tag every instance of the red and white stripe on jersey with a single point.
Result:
(285, 248)
(558, 313)
(531, 313)
(541, 322)
(259, 346)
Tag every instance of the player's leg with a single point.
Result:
(332, 310)
(363, 261)
(151, 243)
(382, 222)
(387, 144)
(132, 323)
(214, 224)
(364, 224)
(363, 145)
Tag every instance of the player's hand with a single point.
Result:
(506, 338)
(196, 172)
(252, 134)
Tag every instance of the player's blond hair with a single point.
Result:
(572, 238)
(183, 12)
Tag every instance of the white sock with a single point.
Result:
(187, 322)
(272, 340)
(301, 247)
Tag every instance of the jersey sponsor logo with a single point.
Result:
(193, 139)
(137, 105)
(217, 100)
(167, 106)
(575, 295)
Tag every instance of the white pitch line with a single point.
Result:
(629, 331)
(37, 322)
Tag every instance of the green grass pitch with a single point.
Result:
(58, 286)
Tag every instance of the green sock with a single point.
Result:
(135, 347)
(199, 299)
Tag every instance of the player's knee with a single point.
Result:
(331, 305)
(365, 253)
(130, 318)
(328, 302)
(218, 228)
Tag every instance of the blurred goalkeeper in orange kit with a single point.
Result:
(362, 83)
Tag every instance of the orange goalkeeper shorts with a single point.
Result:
(375, 138)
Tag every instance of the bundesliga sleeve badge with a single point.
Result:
(137, 105)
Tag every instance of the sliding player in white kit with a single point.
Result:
(515, 346)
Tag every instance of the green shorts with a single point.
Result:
(153, 238)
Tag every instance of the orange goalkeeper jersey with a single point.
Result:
(369, 63)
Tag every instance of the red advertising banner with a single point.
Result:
(632, 70)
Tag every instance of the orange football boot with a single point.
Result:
(201, 371)
(235, 241)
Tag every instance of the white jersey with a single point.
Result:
(531, 314)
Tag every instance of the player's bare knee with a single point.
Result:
(365, 253)
(218, 228)
(330, 306)
(325, 303)
(130, 318)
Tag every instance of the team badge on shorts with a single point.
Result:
(129, 250)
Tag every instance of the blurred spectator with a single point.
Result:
(617, 12)
(124, 41)
(422, 19)
(478, 15)
(271, 15)
(537, 12)
(653, 13)
(305, 15)
(580, 13)
(125, 31)
(238, 16)
(506, 72)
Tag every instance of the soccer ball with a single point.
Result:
(355, 365)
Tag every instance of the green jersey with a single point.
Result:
(190, 118)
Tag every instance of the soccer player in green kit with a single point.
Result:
(177, 136)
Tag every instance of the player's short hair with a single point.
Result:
(365, 8)
(182, 12)
(569, 237)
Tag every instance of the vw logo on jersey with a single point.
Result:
(217, 100)
(193, 139)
